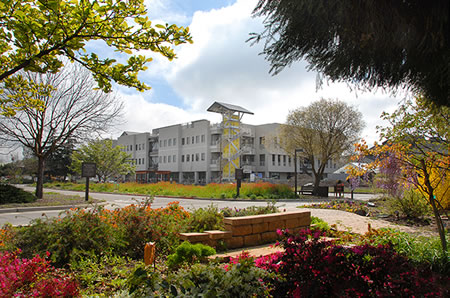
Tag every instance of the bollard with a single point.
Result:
(149, 253)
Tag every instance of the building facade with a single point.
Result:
(201, 152)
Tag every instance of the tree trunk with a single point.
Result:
(40, 177)
(317, 179)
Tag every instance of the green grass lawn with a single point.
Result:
(54, 199)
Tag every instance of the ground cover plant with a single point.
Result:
(260, 190)
(311, 266)
(53, 199)
(357, 207)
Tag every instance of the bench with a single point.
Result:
(307, 190)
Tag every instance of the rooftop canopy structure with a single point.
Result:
(220, 107)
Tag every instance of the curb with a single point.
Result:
(45, 208)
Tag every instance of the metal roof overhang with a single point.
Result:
(220, 107)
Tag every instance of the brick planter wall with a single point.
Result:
(252, 230)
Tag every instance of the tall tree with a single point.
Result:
(418, 140)
(385, 43)
(111, 161)
(324, 130)
(36, 34)
(71, 110)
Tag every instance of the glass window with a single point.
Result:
(165, 143)
(187, 157)
(196, 156)
(284, 160)
(182, 141)
(165, 159)
(187, 140)
(174, 142)
(169, 159)
(174, 159)
(262, 160)
(279, 160)
(192, 157)
(192, 139)
(203, 138)
(170, 142)
(203, 156)
(182, 158)
(197, 139)
(273, 159)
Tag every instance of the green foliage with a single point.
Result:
(187, 253)
(411, 205)
(102, 275)
(419, 249)
(111, 161)
(68, 238)
(371, 43)
(204, 219)
(12, 194)
(320, 224)
(34, 36)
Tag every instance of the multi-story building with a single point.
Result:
(202, 152)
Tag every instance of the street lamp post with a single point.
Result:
(295, 168)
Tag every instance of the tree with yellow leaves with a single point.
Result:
(417, 139)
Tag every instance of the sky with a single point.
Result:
(221, 66)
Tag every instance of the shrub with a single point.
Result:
(104, 274)
(189, 253)
(33, 278)
(311, 266)
(11, 194)
(411, 205)
(203, 219)
(320, 224)
(79, 232)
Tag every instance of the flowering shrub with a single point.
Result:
(349, 206)
(311, 266)
(94, 231)
(33, 277)
(250, 210)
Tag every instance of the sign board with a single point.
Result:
(88, 169)
(252, 177)
(239, 174)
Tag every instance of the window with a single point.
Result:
(197, 156)
(203, 138)
(187, 157)
(182, 141)
(279, 160)
(192, 139)
(165, 159)
(136, 147)
(262, 160)
(203, 156)
(160, 143)
(165, 143)
(182, 158)
(197, 138)
(192, 157)
(160, 159)
(169, 159)
(170, 142)
(273, 159)
(289, 161)
(284, 160)
(174, 159)
(174, 142)
(187, 140)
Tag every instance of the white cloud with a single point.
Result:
(222, 66)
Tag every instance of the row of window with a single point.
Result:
(137, 161)
(137, 146)
(168, 142)
(193, 157)
(193, 140)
